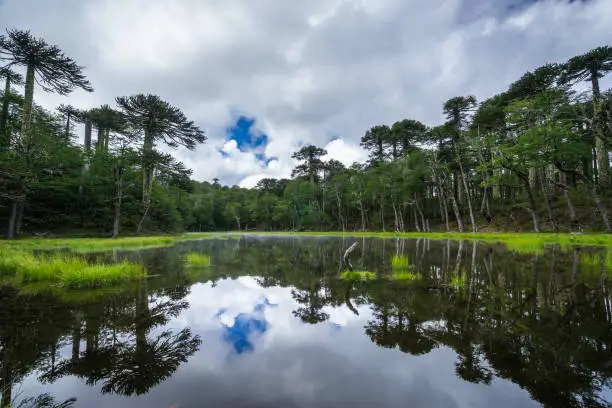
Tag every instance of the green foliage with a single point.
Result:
(197, 259)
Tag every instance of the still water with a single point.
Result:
(271, 324)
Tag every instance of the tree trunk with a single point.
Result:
(5, 137)
(601, 208)
(551, 216)
(603, 159)
(532, 204)
(395, 219)
(12, 220)
(67, 126)
(88, 126)
(446, 220)
(19, 221)
(142, 220)
(28, 100)
(416, 203)
(118, 200)
(238, 222)
(339, 201)
(570, 206)
(457, 213)
(416, 218)
(147, 168)
(363, 222)
(468, 197)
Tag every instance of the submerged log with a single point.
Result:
(347, 253)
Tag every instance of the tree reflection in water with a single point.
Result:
(542, 321)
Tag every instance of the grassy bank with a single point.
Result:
(520, 242)
(21, 267)
(104, 244)
(516, 240)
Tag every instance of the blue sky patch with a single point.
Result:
(248, 139)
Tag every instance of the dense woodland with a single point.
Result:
(535, 157)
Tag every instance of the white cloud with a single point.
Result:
(306, 71)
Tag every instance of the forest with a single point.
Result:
(532, 158)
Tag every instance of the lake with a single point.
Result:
(271, 323)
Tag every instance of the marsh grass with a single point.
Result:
(198, 259)
(400, 262)
(20, 267)
(357, 275)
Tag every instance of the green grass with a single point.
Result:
(405, 275)
(105, 244)
(198, 259)
(522, 242)
(358, 275)
(400, 262)
(20, 267)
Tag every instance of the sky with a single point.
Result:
(264, 77)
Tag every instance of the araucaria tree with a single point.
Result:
(159, 122)
(457, 110)
(46, 65)
(10, 78)
(591, 67)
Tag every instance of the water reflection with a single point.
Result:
(464, 323)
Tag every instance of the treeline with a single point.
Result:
(535, 157)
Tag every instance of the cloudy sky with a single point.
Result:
(262, 77)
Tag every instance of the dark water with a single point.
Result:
(270, 324)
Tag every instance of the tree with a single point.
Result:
(592, 66)
(456, 111)
(106, 120)
(10, 78)
(69, 112)
(409, 133)
(160, 122)
(311, 166)
(375, 141)
(46, 64)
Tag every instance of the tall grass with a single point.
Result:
(198, 259)
(400, 262)
(65, 270)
